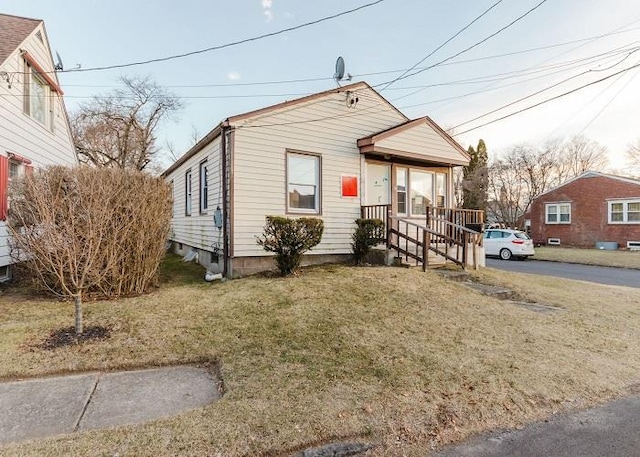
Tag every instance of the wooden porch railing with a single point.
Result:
(381, 212)
(450, 233)
(453, 242)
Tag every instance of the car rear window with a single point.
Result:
(521, 235)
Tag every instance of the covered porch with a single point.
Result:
(408, 184)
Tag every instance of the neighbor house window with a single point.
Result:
(401, 190)
(187, 193)
(36, 97)
(303, 183)
(558, 213)
(204, 188)
(624, 212)
(421, 191)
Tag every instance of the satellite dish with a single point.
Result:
(59, 66)
(339, 74)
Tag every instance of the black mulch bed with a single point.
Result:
(67, 336)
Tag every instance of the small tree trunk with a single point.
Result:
(77, 301)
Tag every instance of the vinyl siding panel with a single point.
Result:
(422, 139)
(198, 230)
(23, 135)
(326, 127)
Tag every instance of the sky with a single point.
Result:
(378, 44)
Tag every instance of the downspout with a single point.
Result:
(225, 193)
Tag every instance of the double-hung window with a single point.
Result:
(558, 213)
(38, 102)
(421, 191)
(624, 211)
(187, 193)
(401, 190)
(303, 183)
(204, 188)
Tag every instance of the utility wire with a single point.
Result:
(386, 72)
(542, 71)
(442, 45)
(552, 98)
(519, 18)
(544, 90)
(227, 45)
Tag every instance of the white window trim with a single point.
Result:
(188, 193)
(203, 190)
(558, 205)
(318, 199)
(625, 211)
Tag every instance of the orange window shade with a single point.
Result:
(349, 186)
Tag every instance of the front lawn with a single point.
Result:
(397, 357)
(622, 259)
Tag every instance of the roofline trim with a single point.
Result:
(586, 174)
(199, 146)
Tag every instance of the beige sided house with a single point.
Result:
(339, 155)
(34, 129)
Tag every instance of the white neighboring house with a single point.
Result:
(34, 128)
(339, 155)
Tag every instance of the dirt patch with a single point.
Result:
(67, 336)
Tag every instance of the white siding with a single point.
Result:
(198, 230)
(23, 135)
(259, 155)
(422, 139)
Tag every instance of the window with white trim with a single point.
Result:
(187, 193)
(624, 211)
(558, 213)
(204, 188)
(38, 101)
(303, 183)
(421, 185)
(401, 190)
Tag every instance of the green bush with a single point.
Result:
(368, 233)
(289, 239)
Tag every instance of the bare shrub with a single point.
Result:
(80, 230)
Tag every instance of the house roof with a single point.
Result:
(217, 130)
(13, 31)
(593, 174)
(371, 140)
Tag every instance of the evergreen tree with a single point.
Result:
(475, 183)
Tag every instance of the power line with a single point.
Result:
(559, 67)
(606, 105)
(442, 45)
(519, 18)
(227, 45)
(544, 90)
(385, 72)
(552, 98)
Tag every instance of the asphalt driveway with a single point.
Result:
(601, 275)
(612, 430)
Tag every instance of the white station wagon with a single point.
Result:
(507, 243)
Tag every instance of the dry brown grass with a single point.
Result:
(393, 356)
(622, 259)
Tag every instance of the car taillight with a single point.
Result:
(517, 241)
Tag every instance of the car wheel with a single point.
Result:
(505, 254)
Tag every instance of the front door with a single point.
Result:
(378, 185)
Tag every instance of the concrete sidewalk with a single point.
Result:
(65, 404)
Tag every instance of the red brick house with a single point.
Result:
(594, 207)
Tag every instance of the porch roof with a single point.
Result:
(420, 139)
